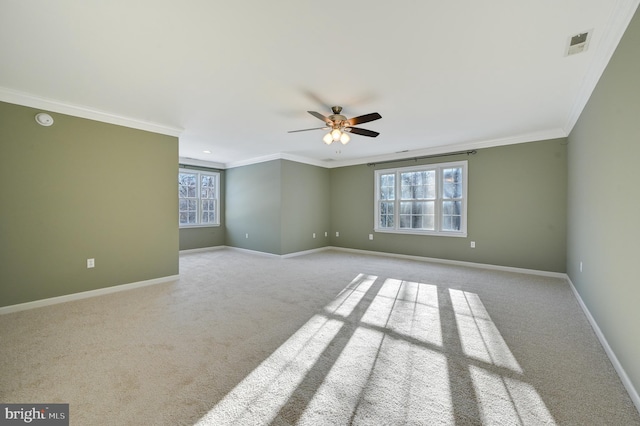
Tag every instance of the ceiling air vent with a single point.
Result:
(578, 43)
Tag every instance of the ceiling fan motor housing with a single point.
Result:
(338, 120)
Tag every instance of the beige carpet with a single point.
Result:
(327, 338)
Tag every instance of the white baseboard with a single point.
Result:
(633, 393)
(84, 294)
(455, 262)
(302, 253)
(410, 257)
(259, 253)
(203, 249)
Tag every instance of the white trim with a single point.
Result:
(633, 393)
(259, 253)
(612, 34)
(304, 160)
(32, 101)
(303, 253)
(202, 249)
(84, 294)
(463, 146)
(279, 156)
(454, 262)
(411, 257)
(200, 163)
(251, 161)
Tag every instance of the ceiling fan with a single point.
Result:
(340, 126)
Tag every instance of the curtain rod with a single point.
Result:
(472, 152)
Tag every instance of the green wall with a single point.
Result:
(306, 204)
(253, 207)
(83, 189)
(516, 211)
(206, 236)
(280, 204)
(604, 205)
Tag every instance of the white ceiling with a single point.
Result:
(233, 77)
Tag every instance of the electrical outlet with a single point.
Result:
(326, 234)
(337, 234)
(314, 235)
(91, 263)
(371, 236)
(580, 266)
(246, 235)
(473, 244)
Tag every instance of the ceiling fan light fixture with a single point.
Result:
(327, 139)
(344, 139)
(335, 134)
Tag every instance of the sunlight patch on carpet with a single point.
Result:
(479, 336)
(377, 354)
(503, 398)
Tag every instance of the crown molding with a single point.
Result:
(443, 149)
(278, 156)
(614, 30)
(200, 163)
(26, 99)
(488, 143)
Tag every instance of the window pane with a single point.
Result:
(405, 207)
(416, 222)
(418, 185)
(387, 187)
(208, 188)
(386, 214)
(417, 215)
(186, 185)
(452, 183)
(451, 215)
(430, 223)
(207, 181)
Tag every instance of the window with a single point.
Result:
(429, 199)
(198, 198)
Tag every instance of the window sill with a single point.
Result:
(424, 233)
(198, 226)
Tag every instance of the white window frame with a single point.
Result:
(199, 202)
(438, 167)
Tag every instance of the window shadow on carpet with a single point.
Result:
(388, 351)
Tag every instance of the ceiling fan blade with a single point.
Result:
(306, 130)
(362, 132)
(319, 116)
(364, 118)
